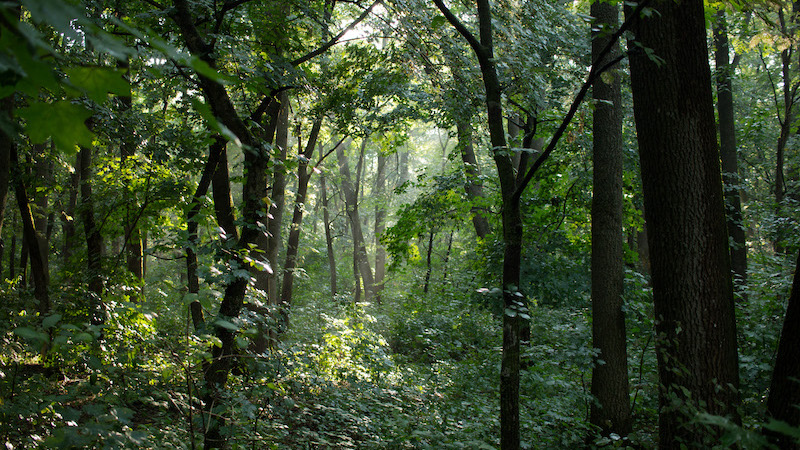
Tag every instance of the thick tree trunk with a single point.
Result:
(94, 241)
(611, 412)
(728, 154)
(685, 216)
(784, 390)
(293, 243)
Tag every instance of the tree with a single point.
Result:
(784, 390)
(729, 153)
(684, 212)
(611, 411)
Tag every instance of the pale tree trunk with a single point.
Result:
(611, 412)
(380, 225)
(326, 223)
(728, 154)
(686, 226)
(361, 260)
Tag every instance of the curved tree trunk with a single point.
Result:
(293, 243)
(611, 412)
(685, 215)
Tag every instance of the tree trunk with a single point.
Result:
(728, 154)
(293, 243)
(611, 412)
(351, 204)
(428, 268)
(94, 241)
(784, 390)
(473, 185)
(192, 280)
(256, 161)
(380, 225)
(134, 255)
(6, 108)
(43, 172)
(326, 222)
(278, 198)
(685, 216)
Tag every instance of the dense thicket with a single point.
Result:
(399, 224)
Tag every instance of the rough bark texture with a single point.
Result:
(94, 241)
(611, 411)
(784, 390)
(729, 154)
(293, 243)
(685, 216)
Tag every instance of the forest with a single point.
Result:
(399, 224)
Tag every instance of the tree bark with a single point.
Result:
(728, 154)
(193, 282)
(94, 241)
(277, 198)
(380, 225)
(6, 108)
(685, 216)
(134, 255)
(293, 243)
(473, 185)
(326, 222)
(611, 412)
(351, 204)
(256, 161)
(784, 390)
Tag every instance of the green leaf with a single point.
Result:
(30, 334)
(98, 82)
(225, 324)
(63, 120)
(51, 320)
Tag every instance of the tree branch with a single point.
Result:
(594, 73)
(335, 39)
(460, 27)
